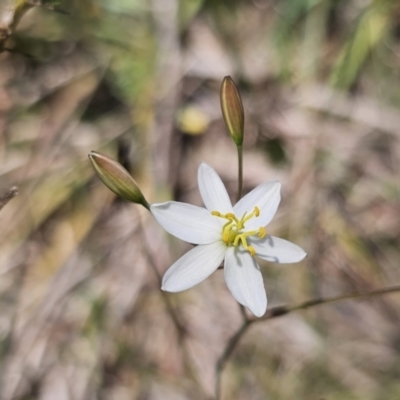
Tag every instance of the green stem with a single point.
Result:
(239, 196)
(240, 172)
(246, 322)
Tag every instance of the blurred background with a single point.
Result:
(81, 311)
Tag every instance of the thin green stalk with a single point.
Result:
(246, 322)
(240, 172)
(239, 196)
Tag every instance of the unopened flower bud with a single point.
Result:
(117, 178)
(232, 110)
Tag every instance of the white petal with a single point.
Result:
(266, 197)
(187, 222)
(277, 250)
(244, 280)
(195, 266)
(212, 190)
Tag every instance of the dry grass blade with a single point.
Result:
(6, 197)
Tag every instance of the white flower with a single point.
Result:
(222, 232)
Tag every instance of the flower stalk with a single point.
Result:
(240, 172)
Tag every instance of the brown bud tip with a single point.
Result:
(117, 178)
(232, 110)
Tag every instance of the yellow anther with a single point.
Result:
(256, 211)
(251, 250)
(216, 213)
(232, 217)
(261, 232)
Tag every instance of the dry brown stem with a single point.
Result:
(11, 193)
(279, 311)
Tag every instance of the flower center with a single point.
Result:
(233, 232)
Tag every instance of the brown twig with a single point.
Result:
(233, 341)
(10, 194)
(12, 12)
(278, 311)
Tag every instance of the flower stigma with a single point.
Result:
(233, 231)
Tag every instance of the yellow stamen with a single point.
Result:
(245, 218)
(232, 234)
(261, 232)
(232, 217)
(251, 250)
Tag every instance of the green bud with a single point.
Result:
(232, 110)
(117, 178)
